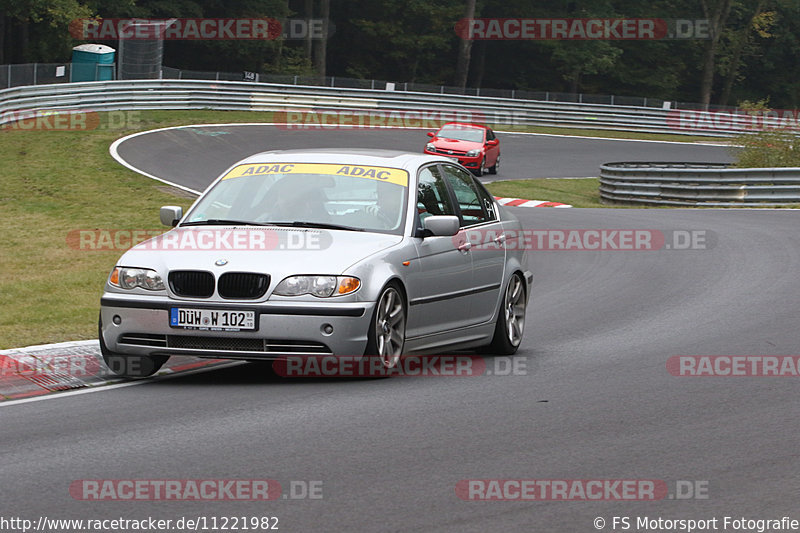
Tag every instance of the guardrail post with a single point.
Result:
(372, 86)
(512, 94)
(547, 96)
(35, 72)
(217, 78)
(295, 79)
(612, 99)
(9, 75)
(333, 84)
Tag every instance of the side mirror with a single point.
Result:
(493, 142)
(170, 215)
(442, 225)
(431, 134)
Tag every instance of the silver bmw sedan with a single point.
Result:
(357, 253)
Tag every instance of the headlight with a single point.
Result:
(430, 147)
(473, 153)
(131, 278)
(320, 286)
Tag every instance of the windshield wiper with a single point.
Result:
(304, 224)
(224, 222)
(297, 224)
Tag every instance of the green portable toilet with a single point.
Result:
(92, 62)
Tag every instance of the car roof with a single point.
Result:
(346, 156)
(466, 125)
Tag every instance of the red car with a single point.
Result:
(475, 146)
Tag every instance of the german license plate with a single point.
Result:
(212, 319)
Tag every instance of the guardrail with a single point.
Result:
(698, 185)
(17, 75)
(230, 95)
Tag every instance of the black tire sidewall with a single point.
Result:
(372, 341)
(500, 344)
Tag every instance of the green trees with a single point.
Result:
(36, 30)
(750, 51)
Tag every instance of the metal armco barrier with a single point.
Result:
(698, 185)
(245, 96)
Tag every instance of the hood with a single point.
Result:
(453, 144)
(279, 252)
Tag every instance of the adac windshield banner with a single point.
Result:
(389, 175)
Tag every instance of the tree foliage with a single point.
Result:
(751, 53)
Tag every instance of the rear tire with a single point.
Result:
(130, 366)
(510, 318)
(387, 331)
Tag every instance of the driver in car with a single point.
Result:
(387, 206)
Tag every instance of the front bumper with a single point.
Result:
(142, 327)
(469, 162)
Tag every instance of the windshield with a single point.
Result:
(363, 198)
(461, 134)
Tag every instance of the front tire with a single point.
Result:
(510, 318)
(387, 332)
(481, 170)
(493, 169)
(130, 366)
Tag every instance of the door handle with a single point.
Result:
(465, 247)
(500, 238)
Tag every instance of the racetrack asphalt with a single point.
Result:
(595, 399)
(194, 156)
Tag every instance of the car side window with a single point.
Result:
(489, 135)
(470, 204)
(432, 196)
(488, 201)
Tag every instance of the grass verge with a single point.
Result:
(54, 182)
(575, 192)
